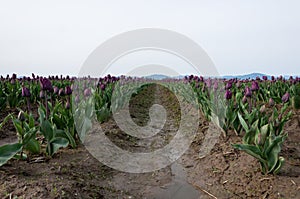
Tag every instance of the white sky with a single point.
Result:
(56, 37)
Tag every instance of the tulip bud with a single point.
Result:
(254, 86)
(68, 90)
(228, 94)
(42, 94)
(25, 92)
(102, 86)
(21, 116)
(216, 85)
(262, 109)
(46, 84)
(244, 100)
(265, 78)
(77, 99)
(271, 102)
(55, 90)
(238, 84)
(285, 98)
(61, 92)
(68, 105)
(228, 86)
(87, 92)
(248, 92)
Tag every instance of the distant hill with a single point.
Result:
(157, 77)
(245, 76)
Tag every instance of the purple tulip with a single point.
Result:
(228, 85)
(244, 100)
(46, 84)
(55, 90)
(273, 78)
(87, 92)
(14, 76)
(216, 85)
(68, 90)
(265, 78)
(228, 95)
(238, 84)
(102, 87)
(25, 92)
(77, 99)
(271, 102)
(285, 98)
(254, 86)
(61, 92)
(42, 94)
(248, 92)
(68, 105)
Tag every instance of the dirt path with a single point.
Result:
(223, 173)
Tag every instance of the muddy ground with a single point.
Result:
(222, 173)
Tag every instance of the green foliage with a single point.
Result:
(55, 137)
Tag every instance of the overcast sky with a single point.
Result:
(56, 37)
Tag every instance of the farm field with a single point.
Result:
(257, 154)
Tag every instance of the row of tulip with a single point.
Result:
(255, 109)
(45, 116)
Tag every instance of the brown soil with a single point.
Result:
(223, 173)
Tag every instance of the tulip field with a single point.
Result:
(42, 156)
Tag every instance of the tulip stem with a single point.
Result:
(46, 104)
(28, 104)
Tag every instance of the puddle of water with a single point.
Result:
(178, 188)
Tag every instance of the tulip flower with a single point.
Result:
(77, 99)
(46, 84)
(61, 92)
(254, 86)
(25, 92)
(68, 104)
(248, 92)
(285, 98)
(228, 94)
(87, 92)
(55, 90)
(271, 102)
(228, 86)
(216, 85)
(68, 90)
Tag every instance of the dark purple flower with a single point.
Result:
(216, 85)
(87, 92)
(46, 84)
(265, 78)
(14, 76)
(102, 87)
(254, 86)
(248, 92)
(77, 99)
(25, 92)
(68, 105)
(228, 94)
(42, 94)
(55, 90)
(228, 85)
(285, 98)
(273, 78)
(61, 92)
(208, 83)
(68, 90)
